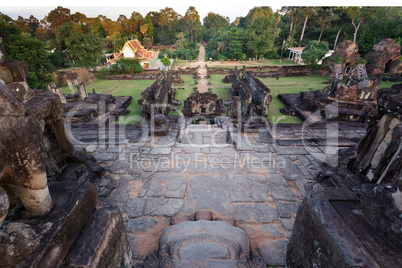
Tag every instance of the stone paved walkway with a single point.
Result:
(260, 185)
(202, 71)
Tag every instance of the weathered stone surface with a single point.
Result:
(204, 243)
(73, 205)
(273, 253)
(141, 225)
(330, 231)
(159, 125)
(167, 207)
(208, 193)
(203, 104)
(102, 242)
(287, 209)
(258, 212)
(135, 207)
(4, 205)
(346, 53)
(259, 188)
(382, 56)
(250, 97)
(281, 192)
(289, 169)
(239, 189)
(159, 98)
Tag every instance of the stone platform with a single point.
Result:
(260, 181)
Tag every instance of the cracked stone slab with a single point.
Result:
(289, 170)
(259, 212)
(208, 192)
(134, 207)
(239, 189)
(281, 192)
(274, 253)
(286, 209)
(167, 207)
(171, 185)
(259, 188)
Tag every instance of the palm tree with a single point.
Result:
(181, 40)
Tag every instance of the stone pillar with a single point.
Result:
(59, 92)
(71, 86)
(50, 86)
(82, 91)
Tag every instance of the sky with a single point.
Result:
(229, 8)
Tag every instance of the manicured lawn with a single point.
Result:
(183, 91)
(219, 88)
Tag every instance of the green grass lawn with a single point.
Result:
(182, 94)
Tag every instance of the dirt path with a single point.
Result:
(202, 71)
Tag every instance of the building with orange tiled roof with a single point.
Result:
(134, 50)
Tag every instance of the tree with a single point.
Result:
(167, 16)
(323, 18)
(257, 12)
(309, 11)
(181, 40)
(358, 14)
(78, 17)
(192, 20)
(166, 62)
(234, 44)
(260, 35)
(58, 17)
(144, 29)
(79, 45)
(25, 48)
(313, 52)
(213, 23)
(132, 25)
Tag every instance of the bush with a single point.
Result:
(313, 52)
(102, 73)
(273, 55)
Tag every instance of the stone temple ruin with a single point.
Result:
(350, 97)
(159, 98)
(50, 213)
(250, 100)
(206, 105)
(356, 219)
(182, 195)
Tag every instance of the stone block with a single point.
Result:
(102, 242)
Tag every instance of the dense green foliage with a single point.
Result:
(313, 52)
(78, 45)
(78, 40)
(25, 48)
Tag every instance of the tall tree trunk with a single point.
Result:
(337, 36)
(291, 26)
(319, 38)
(304, 27)
(356, 28)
